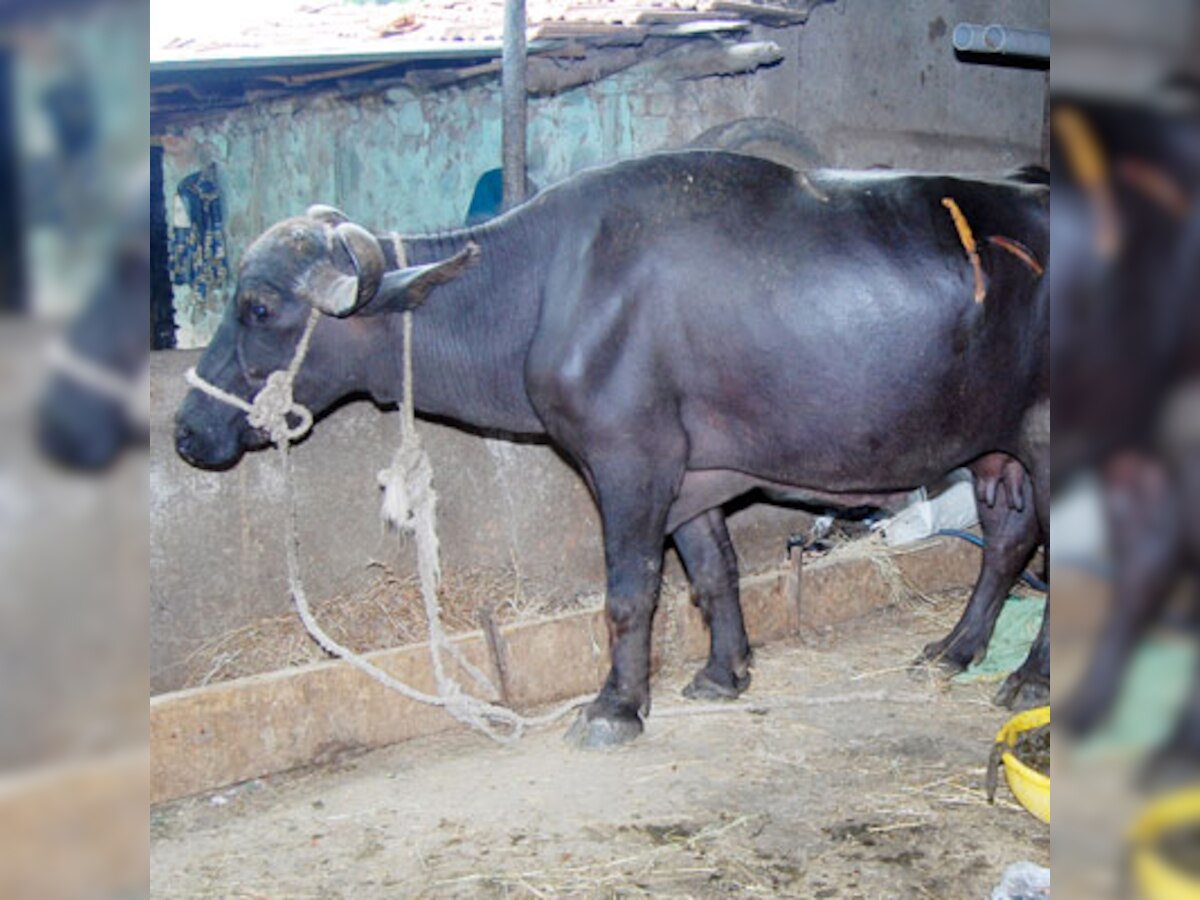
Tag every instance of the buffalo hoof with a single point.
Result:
(950, 657)
(921, 666)
(1023, 690)
(599, 727)
(705, 687)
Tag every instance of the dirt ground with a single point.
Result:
(840, 775)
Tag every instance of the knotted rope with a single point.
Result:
(409, 504)
(274, 402)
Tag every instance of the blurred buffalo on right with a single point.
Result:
(1125, 363)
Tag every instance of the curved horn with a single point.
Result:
(367, 257)
(330, 291)
(328, 287)
(329, 215)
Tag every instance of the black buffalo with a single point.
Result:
(686, 328)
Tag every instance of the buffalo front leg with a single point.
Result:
(1004, 498)
(711, 563)
(633, 499)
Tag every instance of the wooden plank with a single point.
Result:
(833, 591)
(700, 27)
(207, 737)
(556, 659)
(76, 829)
(940, 564)
(598, 33)
(683, 16)
(221, 734)
(755, 12)
(839, 591)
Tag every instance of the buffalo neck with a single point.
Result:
(471, 336)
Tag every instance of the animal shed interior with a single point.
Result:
(839, 775)
(236, 620)
(833, 784)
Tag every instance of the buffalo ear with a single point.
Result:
(405, 289)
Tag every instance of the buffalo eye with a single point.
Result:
(260, 312)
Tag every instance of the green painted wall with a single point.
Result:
(69, 201)
(410, 162)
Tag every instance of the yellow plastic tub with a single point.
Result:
(1156, 878)
(1030, 787)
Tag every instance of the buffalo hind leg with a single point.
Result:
(1029, 685)
(711, 563)
(1004, 498)
(634, 495)
(1144, 531)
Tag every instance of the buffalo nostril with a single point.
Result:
(183, 435)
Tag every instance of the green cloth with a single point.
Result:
(1016, 628)
(1155, 687)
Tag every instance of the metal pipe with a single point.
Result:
(1001, 40)
(512, 88)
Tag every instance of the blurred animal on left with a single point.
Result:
(95, 402)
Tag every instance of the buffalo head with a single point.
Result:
(320, 261)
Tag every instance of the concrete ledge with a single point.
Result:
(208, 737)
(76, 829)
(835, 590)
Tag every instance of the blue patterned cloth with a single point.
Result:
(198, 250)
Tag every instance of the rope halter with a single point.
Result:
(274, 402)
(132, 393)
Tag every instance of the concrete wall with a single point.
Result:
(878, 83)
(868, 83)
